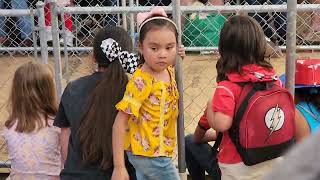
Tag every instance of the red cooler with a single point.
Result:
(308, 71)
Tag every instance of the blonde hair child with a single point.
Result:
(32, 140)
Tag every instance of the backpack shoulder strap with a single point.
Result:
(241, 110)
(218, 141)
(242, 107)
(220, 134)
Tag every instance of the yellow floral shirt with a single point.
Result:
(153, 106)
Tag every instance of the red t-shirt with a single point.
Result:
(224, 101)
(203, 122)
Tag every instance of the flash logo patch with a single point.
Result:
(274, 120)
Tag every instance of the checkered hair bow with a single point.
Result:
(111, 48)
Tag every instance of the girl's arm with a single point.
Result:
(118, 132)
(201, 136)
(64, 140)
(198, 135)
(211, 135)
(302, 127)
(217, 120)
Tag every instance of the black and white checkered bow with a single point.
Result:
(111, 48)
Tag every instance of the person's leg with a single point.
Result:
(130, 169)
(162, 168)
(194, 168)
(153, 168)
(200, 158)
(280, 23)
(47, 15)
(24, 22)
(138, 163)
(68, 25)
(68, 21)
(140, 176)
(47, 21)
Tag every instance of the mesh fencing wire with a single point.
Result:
(18, 29)
(5, 162)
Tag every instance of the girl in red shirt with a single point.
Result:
(242, 47)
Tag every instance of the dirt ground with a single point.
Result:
(198, 80)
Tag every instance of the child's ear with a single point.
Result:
(140, 48)
(94, 58)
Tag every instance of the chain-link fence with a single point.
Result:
(65, 34)
(17, 32)
(5, 163)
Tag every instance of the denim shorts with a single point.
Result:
(153, 168)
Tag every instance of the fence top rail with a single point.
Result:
(109, 9)
(191, 9)
(17, 12)
(184, 9)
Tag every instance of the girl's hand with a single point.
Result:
(120, 173)
(182, 52)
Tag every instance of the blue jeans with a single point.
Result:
(280, 21)
(200, 158)
(153, 168)
(24, 22)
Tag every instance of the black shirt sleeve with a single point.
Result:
(61, 119)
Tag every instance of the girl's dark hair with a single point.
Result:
(242, 41)
(155, 23)
(95, 129)
(310, 95)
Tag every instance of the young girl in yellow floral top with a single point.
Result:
(145, 126)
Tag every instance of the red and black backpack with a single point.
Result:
(263, 126)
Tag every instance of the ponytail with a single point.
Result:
(95, 131)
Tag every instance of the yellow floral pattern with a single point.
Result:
(153, 106)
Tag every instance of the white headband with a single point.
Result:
(154, 18)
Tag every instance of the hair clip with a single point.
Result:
(112, 50)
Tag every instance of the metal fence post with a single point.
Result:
(41, 24)
(56, 47)
(65, 50)
(291, 45)
(132, 32)
(124, 17)
(34, 38)
(176, 11)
